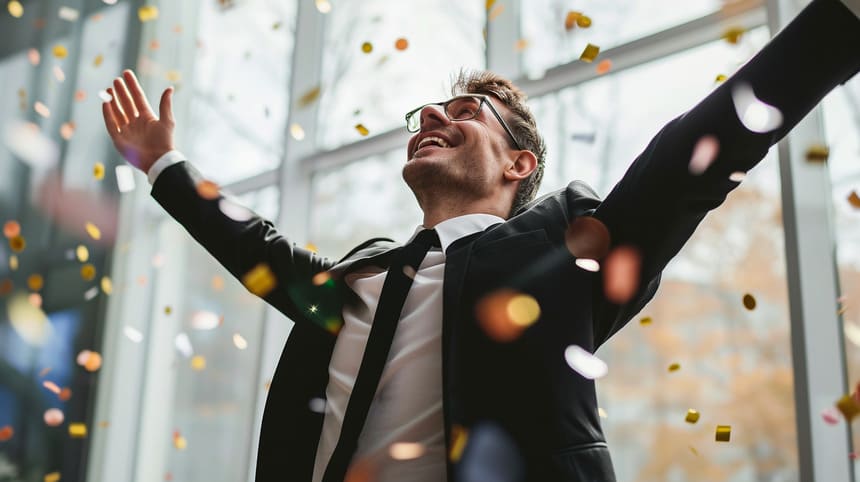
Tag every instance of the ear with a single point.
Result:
(521, 167)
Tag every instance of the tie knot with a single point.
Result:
(426, 239)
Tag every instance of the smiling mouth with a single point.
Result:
(431, 141)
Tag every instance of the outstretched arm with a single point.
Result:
(248, 246)
(659, 202)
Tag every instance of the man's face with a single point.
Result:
(467, 157)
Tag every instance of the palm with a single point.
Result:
(139, 136)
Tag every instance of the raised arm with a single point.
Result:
(246, 246)
(659, 202)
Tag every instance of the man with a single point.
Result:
(405, 361)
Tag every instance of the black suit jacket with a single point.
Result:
(524, 409)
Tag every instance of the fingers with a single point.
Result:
(118, 114)
(165, 108)
(124, 99)
(137, 94)
(110, 120)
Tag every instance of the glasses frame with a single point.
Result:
(485, 99)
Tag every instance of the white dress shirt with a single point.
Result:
(408, 403)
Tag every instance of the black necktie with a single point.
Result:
(404, 265)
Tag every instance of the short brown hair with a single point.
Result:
(522, 123)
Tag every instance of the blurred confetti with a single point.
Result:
(260, 280)
(704, 153)
(401, 44)
(583, 21)
(60, 51)
(52, 477)
(495, 11)
(82, 253)
(15, 8)
(323, 6)
(234, 211)
(570, 20)
(297, 131)
(90, 360)
(11, 229)
(317, 405)
(59, 74)
(88, 272)
(42, 109)
(98, 174)
(28, 321)
(93, 230)
(17, 244)
(817, 153)
(34, 56)
(106, 285)
(505, 314)
(459, 437)
(645, 321)
(147, 13)
(587, 237)
(733, 35)
(183, 345)
(77, 430)
(723, 433)
(361, 129)
(749, 302)
(754, 114)
(405, 450)
(849, 406)
(53, 417)
(27, 142)
(585, 363)
(621, 274)
(51, 387)
(124, 178)
(6, 433)
(97, 62)
(588, 264)
(737, 176)
(198, 363)
(830, 416)
(367, 47)
(68, 14)
(217, 283)
(67, 130)
(720, 78)
(854, 199)
(133, 334)
(239, 341)
(208, 190)
(692, 416)
(91, 293)
(204, 320)
(674, 367)
(309, 97)
(35, 282)
(604, 66)
(589, 53)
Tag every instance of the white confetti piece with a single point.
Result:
(124, 178)
(133, 334)
(104, 96)
(704, 153)
(183, 345)
(204, 320)
(91, 293)
(27, 142)
(59, 74)
(240, 341)
(754, 114)
(69, 14)
(234, 211)
(317, 405)
(588, 264)
(586, 364)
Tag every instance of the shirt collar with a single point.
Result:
(453, 229)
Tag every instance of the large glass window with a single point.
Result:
(413, 46)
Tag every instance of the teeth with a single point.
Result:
(432, 140)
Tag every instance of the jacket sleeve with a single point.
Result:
(240, 246)
(658, 203)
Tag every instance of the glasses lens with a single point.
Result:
(413, 121)
(463, 108)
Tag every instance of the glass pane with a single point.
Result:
(842, 123)
(735, 364)
(613, 23)
(239, 87)
(376, 89)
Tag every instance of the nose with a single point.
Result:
(432, 116)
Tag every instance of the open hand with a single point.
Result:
(137, 134)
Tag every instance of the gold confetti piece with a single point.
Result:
(587, 237)
(854, 199)
(53, 417)
(570, 20)
(309, 97)
(90, 360)
(107, 285)
(749, 302)
(849, 406)
(198, 362)
(720, 78)
(15, 8)
(67, 130)
(590, 53)
(297, 131)
(208, 190)
(13, 262)
(276, 25)
(495, 12)
(367, 47)
(323, 6)
(405, 450)
(42, 109)
(321, 278)
(312, 247)
(260, 280)
(361, 129)
(104, 424)
(99, 174)
(93, 230)
(97, 62)
(6, 433)
(401, 44)
(521, 44)
(817, 153)
(35, 282)
(44, 372)
(583, 21)
(77, 430)
(523, 310)
(11, 229)
(147, 13)
(692, 416)
(179, 441)
(51, 386)
(17, 244)
(459, 437)
(60, 51)
(724, 433)
(88, 272)
(674, 367)
(489, 4)
(52, 477)
(694, 451)
(505, 314)
(82, 253)
(6, 287)
(217, 283)
(604, 66)
(167, 310)
(733, 35)
(173, 76)
(646, 321)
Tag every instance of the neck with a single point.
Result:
(437, 213)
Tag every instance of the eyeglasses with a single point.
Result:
(459, 108)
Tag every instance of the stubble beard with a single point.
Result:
(437, 182)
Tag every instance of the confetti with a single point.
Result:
(173, 76)
(34, 56)
(65, 394)
(621, 274)
(521, 44)
(737, 176)
(674, 367)
(694, 451)
(13, 262)
(154, 45)
(495, 12)
(107, 285)
(489, 4)
(588, 264)
(817, 153)
(157, 260)
(849, 407)
(52, 477)
(830, 416)
(6, 287)
(67, 130)
(405, 450)
(179, 441)
(104, 96)
(60, 51)
(646, 321)
(26, 141)
(53, 417)
(15, 8)
(91, 293)
(217, 283)
(692, 416)
(323, 6)
(35, 282)
(6, 433)
(42, 109)
(124, 178)
(239, 341)
(297, 131)
(59, 74)
(587, 237)
(583, 21)
(35, 299)
(167, 310)
(367, 47)
(733, 35)
(505, 314)
(361, 129)
(68, 14)
(570, 20)
(99, 174)
(704, 153)
(401, 44)
(724, 433)
(234, 211)
(51, 387)
(585, 363)
(204, 320)
(602, 413)
(77, 430)
(720, 78)
(88, 272)
(90, 360)
(755, 115)
(854, 199)
(198, 363)
(17, 243)
(147, 13)
(82, 253)
(459, 437)
(93, 230)
(11, 229)
(749, 302)
(208, 190)
(589, 53)
(309, 97)
(97, 62)
(604, 66)
(317, 405)
(183, 345)
(133, 334)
